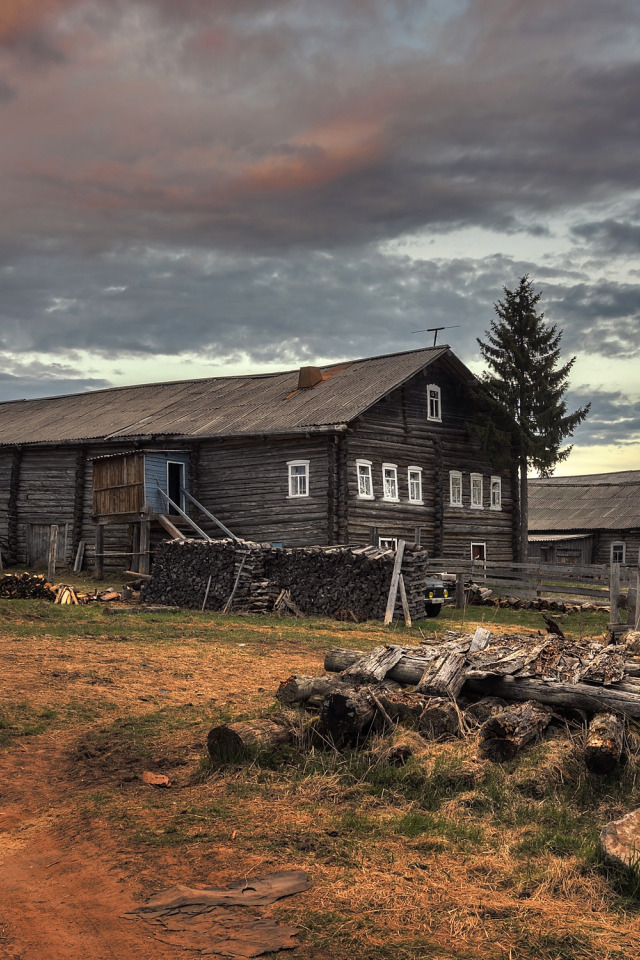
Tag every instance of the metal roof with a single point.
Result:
(602, 501)
(259, 405)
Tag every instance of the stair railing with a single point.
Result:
(207, 514)
(205, 536)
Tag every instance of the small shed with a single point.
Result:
(586, 519)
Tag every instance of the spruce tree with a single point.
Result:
(524, 388)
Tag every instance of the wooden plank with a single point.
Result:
(77, 566)
(53, 553)
(405, 602)
(395, 577)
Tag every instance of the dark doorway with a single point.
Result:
(175, 483)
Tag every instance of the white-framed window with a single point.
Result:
(478, 552)
(414, 477)
(434, 406)
(365, 480)
(298, 478)
(390, 481)
(455, 488)
(388, 543)
(476, 491)
(618, 552)
(496, 493)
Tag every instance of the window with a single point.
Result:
(388, 543)
(455, 488)
(298, 478)
(496, 493)
(479, 552)
(365, 482)
(434, 411)
(476, 491)
(618, 552)
(415, 484)
(390, 481)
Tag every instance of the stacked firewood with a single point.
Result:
(484, 597)
(352, 583)
(26, 586)
(505, 690)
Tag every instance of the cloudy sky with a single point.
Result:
(202, 187)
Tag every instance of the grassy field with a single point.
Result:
(449, 856)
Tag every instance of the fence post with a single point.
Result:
(459, 596)
(636, 619)
(614, 596)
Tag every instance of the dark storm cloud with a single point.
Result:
(610, 237)
(270, 124)
(23, 381)
(601, 317)
(612, 419)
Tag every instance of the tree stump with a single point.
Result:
(345, 716)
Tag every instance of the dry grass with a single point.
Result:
(445, 856)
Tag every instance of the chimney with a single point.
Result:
(308, 377)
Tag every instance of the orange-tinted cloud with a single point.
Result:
(20, 17)
(321, 154)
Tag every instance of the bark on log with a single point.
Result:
(605, 741)
(507, 732)
(440, 720)
(444, 677)
(346, 715)
(477, 713)
(232, 741)
(404, 708)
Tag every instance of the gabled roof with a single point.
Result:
(258, 405)
(599, 501)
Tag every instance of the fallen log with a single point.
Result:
(605, 743)
(297, 689)
(233, 741)
(503, 735)
(621, 697)
(575, 696)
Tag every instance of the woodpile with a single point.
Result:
(347, 582)
(26, 586)
(507, 690)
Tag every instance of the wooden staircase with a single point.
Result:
(177, 528)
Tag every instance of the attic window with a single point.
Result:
(434, 409)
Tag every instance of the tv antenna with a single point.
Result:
(436, 330)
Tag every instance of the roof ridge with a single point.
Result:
(233, 376)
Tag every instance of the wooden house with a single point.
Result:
(589, 519)
(363, 451)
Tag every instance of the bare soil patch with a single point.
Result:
(448, 857)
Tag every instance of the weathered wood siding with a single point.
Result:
(118, 485)
(6, 460)
(246, 485)
(46, 492)
(396, 430)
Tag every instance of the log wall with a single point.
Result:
(245, 484)
(396, 430)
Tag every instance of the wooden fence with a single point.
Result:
(614, 585)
